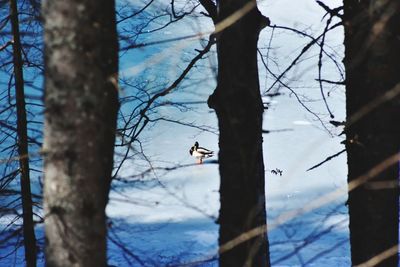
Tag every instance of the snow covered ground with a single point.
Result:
(174, 223)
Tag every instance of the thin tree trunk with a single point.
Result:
(23, 152)
(372, 61)
(81, 100)
(238, 104)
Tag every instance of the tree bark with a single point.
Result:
(22, 134)
(81, 101)
(372, 61)
(238, 105)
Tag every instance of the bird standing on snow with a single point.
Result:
(200, 153)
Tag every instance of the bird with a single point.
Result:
(200, 153)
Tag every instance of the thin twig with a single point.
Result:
(326, 160)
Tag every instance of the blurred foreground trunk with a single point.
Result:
(81, 101)
(372, 61)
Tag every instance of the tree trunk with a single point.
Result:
(238, 104)
(372, 61)
(81, 100)
(22, 133)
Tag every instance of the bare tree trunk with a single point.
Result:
(238, 104)
(23, 152)
(81, 100)
(372, 61)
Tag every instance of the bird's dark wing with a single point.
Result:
(204, 150)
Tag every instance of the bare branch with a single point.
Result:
(332, 12)
(320, 67)
(211, 9)
(136, 13)
(331, 82)
(326, 160)
(6, 45)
